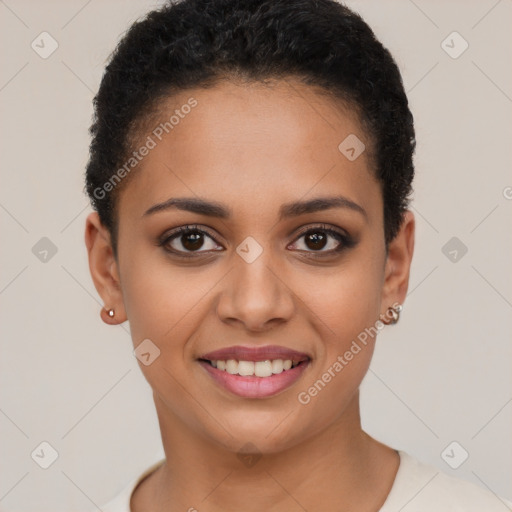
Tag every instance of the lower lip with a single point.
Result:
(256, 387)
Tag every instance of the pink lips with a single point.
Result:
(255, 387)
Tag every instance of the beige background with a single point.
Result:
(443, 374)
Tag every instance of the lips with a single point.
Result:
(234, 369)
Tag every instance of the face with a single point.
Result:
(264, 273)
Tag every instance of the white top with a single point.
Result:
(418, 487)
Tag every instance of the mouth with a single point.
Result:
(255, 372)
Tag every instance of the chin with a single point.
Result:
(264, 432)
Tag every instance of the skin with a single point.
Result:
(253, 148)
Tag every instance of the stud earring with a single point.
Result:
(110, 312)
(392, 314)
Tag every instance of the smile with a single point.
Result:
(258, 368)
(255, 372)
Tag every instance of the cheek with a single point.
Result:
(162, 300)
(344, 299)
(163, 304)
(345, 305)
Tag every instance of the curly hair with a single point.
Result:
(198, 43)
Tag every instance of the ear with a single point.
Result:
(104, 268)
(398, 264)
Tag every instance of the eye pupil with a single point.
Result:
(195, 240)
(318, 240)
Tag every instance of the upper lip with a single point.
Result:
(241, 353)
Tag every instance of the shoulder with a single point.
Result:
(121, 502)
(420, 487)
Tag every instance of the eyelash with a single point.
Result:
(346, 242)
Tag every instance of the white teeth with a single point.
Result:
(250, 368)
(246, 368)
(232, 366)
(277, 366)
(263, 368)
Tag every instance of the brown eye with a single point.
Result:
(322, 240)
(192, 241)
(188, 239)
(316, 240)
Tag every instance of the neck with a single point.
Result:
(340, 464)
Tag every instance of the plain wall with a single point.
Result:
(442, 374)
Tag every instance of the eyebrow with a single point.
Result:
(287, 210)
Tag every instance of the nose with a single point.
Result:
(256, 295)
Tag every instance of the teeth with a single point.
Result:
(263, 368)
(245, 368)
(277, 366)
(250, 368)
(232, 366)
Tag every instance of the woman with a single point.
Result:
(251, 170)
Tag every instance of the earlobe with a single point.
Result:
(398, 264)
(107, 315)
(103, 269)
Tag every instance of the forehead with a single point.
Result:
(248, 146)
